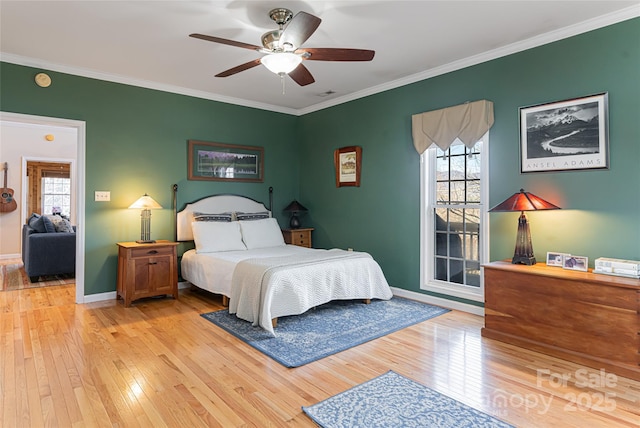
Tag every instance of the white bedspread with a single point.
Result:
(267, 288)
(213, 271)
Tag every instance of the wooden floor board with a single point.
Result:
(159, 363)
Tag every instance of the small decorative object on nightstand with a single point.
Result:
(147, 270)
(294, 208)
(300, 237)
(145, 203)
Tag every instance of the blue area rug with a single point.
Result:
(327, 329)
(394, 401)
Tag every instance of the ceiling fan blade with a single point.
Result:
(336, 54)
(302, 76)
(239, 68)
(225, 41)
(301, 27)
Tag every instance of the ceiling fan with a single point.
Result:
(283, 47)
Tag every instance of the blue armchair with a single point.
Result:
(46, 253)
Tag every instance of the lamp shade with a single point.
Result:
(281, 62)
(145, 202)
(524, 201)
(295, 206)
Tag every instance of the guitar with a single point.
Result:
(7, 203)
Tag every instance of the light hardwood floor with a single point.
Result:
(158, 363)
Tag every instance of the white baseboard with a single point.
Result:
(420, 297)
(10, 256)
(111, 295)
(439, 301)
(100, 297)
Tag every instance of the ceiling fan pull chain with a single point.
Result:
(282, 80)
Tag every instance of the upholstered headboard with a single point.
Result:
(215, 204)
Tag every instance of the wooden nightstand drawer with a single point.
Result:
(299, 237)
(152, 252)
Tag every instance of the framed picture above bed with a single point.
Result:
(348, 162)
(225, 162)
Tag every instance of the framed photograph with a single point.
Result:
(575, 262)
(225, 162)
(348, 162)
(555, 259)
(565, 135)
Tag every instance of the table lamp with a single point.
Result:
(146, 204)
(523, 201)
(294, 208)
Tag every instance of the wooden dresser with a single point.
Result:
(300, 237)
(147, 270)
(591, 319)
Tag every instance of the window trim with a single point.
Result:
(427, 193)
(44, 194)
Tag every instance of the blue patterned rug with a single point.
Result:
(394, 401)
(327, 329)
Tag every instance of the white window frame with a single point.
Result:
(69, 194)
(427, 232)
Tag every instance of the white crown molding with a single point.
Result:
(543, 39)
(552, 36)
(93, 74)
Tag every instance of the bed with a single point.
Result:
(240, 254)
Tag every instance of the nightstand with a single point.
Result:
(300, 237)
(147, 270)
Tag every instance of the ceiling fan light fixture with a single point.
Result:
(281, 62)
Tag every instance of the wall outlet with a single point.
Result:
(103, 196)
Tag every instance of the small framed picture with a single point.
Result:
(575, 262)
(348, 162)
(555, 259)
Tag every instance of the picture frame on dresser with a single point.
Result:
(555, 259)
(571, 262)
(225, 162)
(565, 135)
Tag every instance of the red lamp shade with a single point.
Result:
(524, 201)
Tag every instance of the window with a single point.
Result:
(56, 195)
(454, 227)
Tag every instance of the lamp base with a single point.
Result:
(140, 241)
(524, 250)
(294, 223)
(523, 260)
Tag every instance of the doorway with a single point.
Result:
(21, 135)
(49, 189)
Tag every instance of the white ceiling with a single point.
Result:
(146, 43)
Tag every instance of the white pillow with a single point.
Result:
(212, 236)
(261, 233)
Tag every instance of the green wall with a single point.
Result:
(137, 142)
(601, 209)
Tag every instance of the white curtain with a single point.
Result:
(468, 122)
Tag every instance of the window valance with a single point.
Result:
(467, 122)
